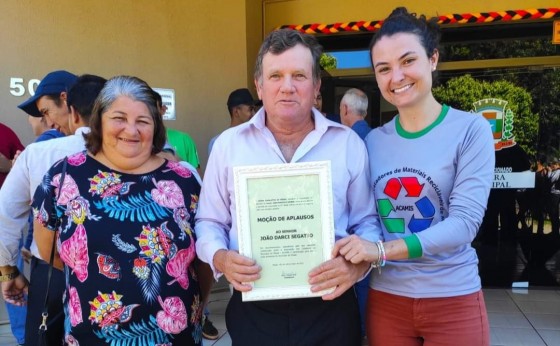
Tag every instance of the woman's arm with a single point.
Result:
(356, 250)
(44, 239)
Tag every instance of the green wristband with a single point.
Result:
(414, 247)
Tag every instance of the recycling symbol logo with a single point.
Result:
(423, 210)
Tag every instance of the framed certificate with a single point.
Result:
(285, 223)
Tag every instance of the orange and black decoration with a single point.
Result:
(467, 18)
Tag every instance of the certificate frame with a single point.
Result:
(290, 213)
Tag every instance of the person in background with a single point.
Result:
(500, 223)
(432, 168)
(353, 111)
(49, 100)
(554, 200)
(541, 193)
(287, 129)
(318, 103)
(241, 108)
(168, 152)
(27, 173)
(10, 146)
(131, 212)
(180, 143)
(44, 130)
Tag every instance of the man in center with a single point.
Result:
(287, 130)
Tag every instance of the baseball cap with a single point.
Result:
(240, 97)
(52, 84)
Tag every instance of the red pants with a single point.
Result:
(402, 321)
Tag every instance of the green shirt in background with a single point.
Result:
(184, 146)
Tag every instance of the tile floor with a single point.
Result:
(527, 317)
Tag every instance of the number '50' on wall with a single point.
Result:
(17, 86)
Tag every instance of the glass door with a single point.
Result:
(519, 239)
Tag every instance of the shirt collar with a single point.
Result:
(82, 130)
(321, 122)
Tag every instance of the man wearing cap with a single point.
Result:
(78, 95)
(50, 99)
(241, 107)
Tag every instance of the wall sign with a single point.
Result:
(18, 86)
(513, 180)
(500, 118)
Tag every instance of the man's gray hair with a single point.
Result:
(279, 41)
(356, 101)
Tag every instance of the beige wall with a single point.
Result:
(282, 12)
(202, 49)
(197, 47)
(255, 35)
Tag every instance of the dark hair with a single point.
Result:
(137, 90)
(230, 110)
(279, 41)
(83, 93)
(401, 21)
(158, 98)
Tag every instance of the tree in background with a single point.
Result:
(542, 83)
(545, 89)
(461, 92)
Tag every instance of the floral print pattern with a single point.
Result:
(74, 307)
(128, 246)
(74, 253)
(173, 318)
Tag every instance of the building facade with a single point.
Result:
(201, 50)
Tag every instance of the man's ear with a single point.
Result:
(258, 86)
(317, 87)
(63, 96)
(74, 116)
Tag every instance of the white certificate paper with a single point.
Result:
(285, 222)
